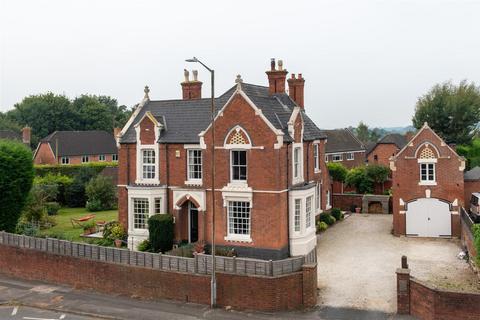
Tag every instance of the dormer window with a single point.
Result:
(148, 164)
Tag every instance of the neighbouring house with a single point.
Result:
(343, 147)
(428, 187)
(472, 184)
(23, 136)
(270, 180)
(76, 147)
(387, 147)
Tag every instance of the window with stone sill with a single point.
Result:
(140, 213)
(148, 164)
(316, 157)
(427, 172)
(238, 219)
(194, 165)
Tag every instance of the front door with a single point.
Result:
(193, 223)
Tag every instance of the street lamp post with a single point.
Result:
(213, 284)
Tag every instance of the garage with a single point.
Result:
(428, 217)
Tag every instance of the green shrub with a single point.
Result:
(358, 178)
(72, 170)
(101, 194)
(476, 241)
(16, 177)
(60, 183)
(117, 233)
(337, 214)
(160, 228)
(52, 208)
(107, 230)
(327, 218)
(144, 246)
(337, 171)
(75, 196)
(88, 225)
(321, 226)
(27, 229)
(35, 210)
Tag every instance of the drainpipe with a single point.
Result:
(288, 201)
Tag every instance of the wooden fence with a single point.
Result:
(200, 263)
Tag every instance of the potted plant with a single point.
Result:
(199, 247)
(89, 227)
(358, 210)
(118, 234)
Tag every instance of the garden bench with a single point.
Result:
(78, 222)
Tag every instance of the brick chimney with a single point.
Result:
(295, 89)
(191, 89)
(26, 135)
(276, 77)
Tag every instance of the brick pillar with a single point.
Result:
(309, 292)
(403, 290)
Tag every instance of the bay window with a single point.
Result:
(140, 213)
(298, 212)
(308, 212)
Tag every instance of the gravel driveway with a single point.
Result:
(357, 259)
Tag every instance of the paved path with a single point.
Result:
(37, 300)
(357, 259)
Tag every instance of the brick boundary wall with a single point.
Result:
(286, 292)
(344, 201)
(427, 302)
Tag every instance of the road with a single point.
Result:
(37, 300)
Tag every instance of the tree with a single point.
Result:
(16, 177)
(452, 111)
(377, 174)
(357, 177)
(471, 152)
(362, 132)
(337, 171)
(8, 124)
(44, 113)
(101, 194)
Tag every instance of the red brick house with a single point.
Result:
(76, 147)
(428, 187)
(343, 147)
(270, 181)
(386, 148)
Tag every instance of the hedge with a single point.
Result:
(16, 178)
(71, 170)
(160, 232)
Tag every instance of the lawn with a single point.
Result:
(64, 228)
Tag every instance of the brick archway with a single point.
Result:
(187, 198)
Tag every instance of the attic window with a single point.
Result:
(237, 138)
(427, 153)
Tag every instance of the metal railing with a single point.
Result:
(199, 264)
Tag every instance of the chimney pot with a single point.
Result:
(280, 65)
(186, 74)
(195, 75)
(293, 75)
(300, 76)
(272, 64)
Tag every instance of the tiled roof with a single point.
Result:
(77, 143)
(472, 175)
(398, 139)
(183, 120)
(10, 135)
(342, 140)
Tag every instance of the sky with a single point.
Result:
(361, 59)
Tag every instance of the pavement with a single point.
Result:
(358, 257)
(36, 300)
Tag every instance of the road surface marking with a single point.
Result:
(15, 310)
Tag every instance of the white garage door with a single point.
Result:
(428, 217)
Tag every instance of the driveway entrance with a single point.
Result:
(357, 259)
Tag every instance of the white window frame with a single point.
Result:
(231, 166)
(318, 197)
(65, 160)
(101, 157)
(148, 193)
(339, 155)
(189, 172)
(327, 201)
(349, 156)
(308, 212)
(157, 205)
(297, 164)
(430, 179)
(297, 215)
(326, 158)
(246, 237)
(115, 157)
(150, 155)
(146, 214)
(316, 157)
(85, 159)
